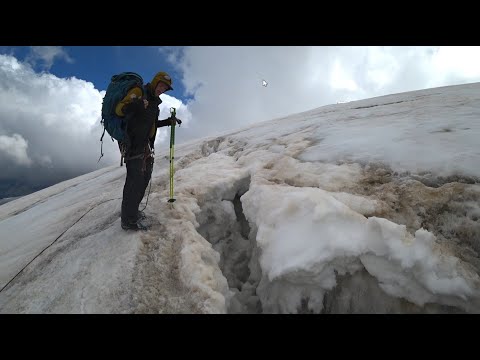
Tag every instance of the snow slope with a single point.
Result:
(368, 206)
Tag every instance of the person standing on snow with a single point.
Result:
(140, 109)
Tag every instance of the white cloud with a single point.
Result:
(45, 160)
(15, 147)
(47, 55)
(339, 79)
(226, 81)
(459, 62)
(59, 119)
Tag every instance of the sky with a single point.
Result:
(51, 96)
(285, 216)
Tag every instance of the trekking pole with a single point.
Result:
(172, 157)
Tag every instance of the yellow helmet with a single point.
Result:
(163, 77)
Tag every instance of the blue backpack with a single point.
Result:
(118, 88)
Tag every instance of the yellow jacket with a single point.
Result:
(134, 93)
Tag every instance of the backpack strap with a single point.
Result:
(101, 142)
(122, 146)
(101, 146)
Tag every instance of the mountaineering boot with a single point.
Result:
(141, 215)
(134, 226)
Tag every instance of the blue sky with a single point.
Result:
(98, 63)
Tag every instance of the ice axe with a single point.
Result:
(172, 157)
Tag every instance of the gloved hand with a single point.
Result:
(173, 119)
(136, 106)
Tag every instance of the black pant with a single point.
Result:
(135, 186)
